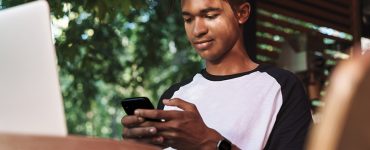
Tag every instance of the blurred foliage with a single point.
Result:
(111, 49)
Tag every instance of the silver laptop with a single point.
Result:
(30, 97)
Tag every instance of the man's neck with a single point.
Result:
(235, 61)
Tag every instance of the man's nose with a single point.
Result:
(199, 28)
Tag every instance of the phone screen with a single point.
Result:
(131, 104)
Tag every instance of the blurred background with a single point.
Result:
(109, 50)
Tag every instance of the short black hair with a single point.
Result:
(238, 2)
(233, 3)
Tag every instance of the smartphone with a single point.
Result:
(131, 104)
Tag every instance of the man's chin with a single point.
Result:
(210, 58)
(204, 54)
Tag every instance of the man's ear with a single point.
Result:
(244, 11)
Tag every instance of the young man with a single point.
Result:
(233, 103)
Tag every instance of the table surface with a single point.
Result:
(71, 142)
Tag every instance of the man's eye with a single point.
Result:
(211, 16)
(187, 20)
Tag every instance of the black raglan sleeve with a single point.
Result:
(166, 95)
(170, 91)
(294, 118)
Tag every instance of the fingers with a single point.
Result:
(168, 134)
(159, 140)
(141, 140)
(143, 135)
(186, 106)
(168, 138)
(138, 132)
(130, 121)
(158, 114)
(167, 115)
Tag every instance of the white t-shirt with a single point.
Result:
(263, 108)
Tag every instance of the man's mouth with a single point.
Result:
(202, 44)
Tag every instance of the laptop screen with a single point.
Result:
(30, 97)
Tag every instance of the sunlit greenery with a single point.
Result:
(264, 58)
(276, 27)
(111, 49)
(266, 35)
(268, 48)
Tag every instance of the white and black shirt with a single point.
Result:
(266, 108)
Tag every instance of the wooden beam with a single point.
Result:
(296, 27)
(315, 12)
(330, 6)
(272, 31)
(343, 3)
(269, 42)
(293, 14)
(272, 55)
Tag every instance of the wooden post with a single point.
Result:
(356, 25)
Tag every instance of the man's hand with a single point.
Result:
(133, 131)
(181, 129)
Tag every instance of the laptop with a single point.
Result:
(30, 96)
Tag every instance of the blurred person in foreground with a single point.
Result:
(343, 119)
(234, 103)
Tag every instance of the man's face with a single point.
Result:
(211, 27)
